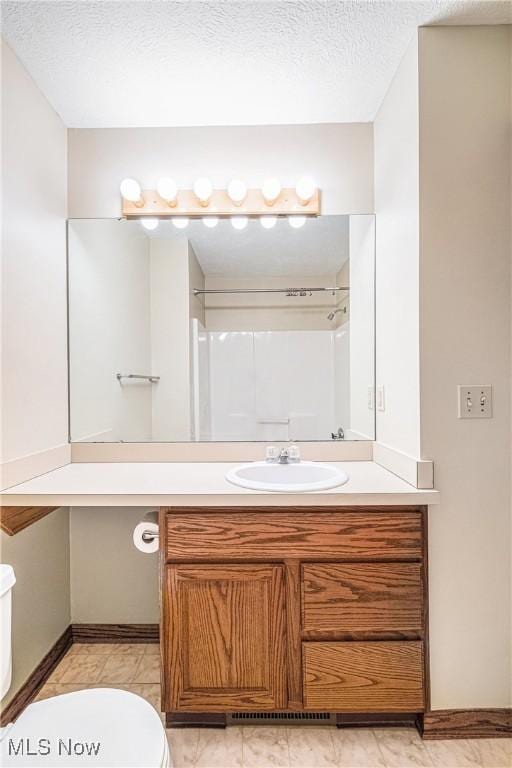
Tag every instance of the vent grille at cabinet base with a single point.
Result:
(284, 718)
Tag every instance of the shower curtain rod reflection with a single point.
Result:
(287, 291)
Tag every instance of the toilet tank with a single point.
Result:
(7, 580)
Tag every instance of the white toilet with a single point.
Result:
(103, 727)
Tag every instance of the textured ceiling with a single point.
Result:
(320, 247)
(105, 63)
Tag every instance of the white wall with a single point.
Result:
(199, 381)
(130, 307)
(196, 316)
(196, 280)
(339, 157)
(34, 357)
(109, 330)
(362, 325)
(170, 339)
(267, 311)
(397, 271)
(442, 199)
(111, 581)
(41, 596)
(341, 338)
(465, 207)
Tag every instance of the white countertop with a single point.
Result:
(201, 484)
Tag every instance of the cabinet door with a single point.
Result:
(223, 634)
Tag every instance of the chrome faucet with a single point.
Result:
(289, 455)
(339, 435)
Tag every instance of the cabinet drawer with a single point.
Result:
(315, 534)
(361, 597)
(364, 677)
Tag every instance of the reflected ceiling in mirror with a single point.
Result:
(319, 247)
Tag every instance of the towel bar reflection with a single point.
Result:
(151, 379)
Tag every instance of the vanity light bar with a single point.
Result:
(167, 201)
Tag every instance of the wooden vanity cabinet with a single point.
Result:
(279, 609)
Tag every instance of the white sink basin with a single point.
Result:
(287, 478)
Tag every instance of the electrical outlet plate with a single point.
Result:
(474, 401)
(381, 398)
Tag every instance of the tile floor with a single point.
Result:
(135, 667)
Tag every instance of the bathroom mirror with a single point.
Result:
(221, 334)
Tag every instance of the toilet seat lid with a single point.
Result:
(99, 726)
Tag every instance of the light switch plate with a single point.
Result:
(371, 397)
(475, 401)
(381, 398)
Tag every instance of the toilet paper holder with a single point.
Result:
(148, 537)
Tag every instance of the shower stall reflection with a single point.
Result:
(271, 385)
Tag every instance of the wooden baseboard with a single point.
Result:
(37, 679)
(115, 633)
(467, 724)
(195, 720)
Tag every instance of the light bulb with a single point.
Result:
(237, 191)
(168, 190)
(271, 189)
(131, 191)
(203, 189)
(305, 189)
(239, 222)
(267, 222)
(180, 222)
(297, 221)
(149, 223)
(210, 221)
